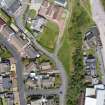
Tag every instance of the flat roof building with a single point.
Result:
(95, 96)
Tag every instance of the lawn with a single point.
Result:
(4, 53)
(5, 17)
(103, 3)
(49, 36)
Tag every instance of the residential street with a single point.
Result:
(53, 57)
(19, 69)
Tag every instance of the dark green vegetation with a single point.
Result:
(78, 25)
(76, 79)
(5, 17)
(4, 53)
(1, 103)
(49, 35)
(103, 3)
(71, 51)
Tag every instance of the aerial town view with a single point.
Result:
(52, 52)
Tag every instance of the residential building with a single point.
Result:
(53, 13)
(7, 82)
(62, 3)
(10, 6)
(95, 95)
(4, 67)
(38, 23)
(23, 45)
(90, 70)
(92, 37)
(35, 4)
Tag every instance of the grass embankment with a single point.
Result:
(49, 35)
(5, 17)
(71, 51)
(103, 3)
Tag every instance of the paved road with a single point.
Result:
(59, 66)
(99, 18)
(19, 68)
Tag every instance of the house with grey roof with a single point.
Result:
(92, 37)
(38, 23)
(62, 3)
(10, 6)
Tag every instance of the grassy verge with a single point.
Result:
(4, 53)
(71, 51)
(5, 17)
(48, 38)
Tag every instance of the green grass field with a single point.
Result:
(49, 35)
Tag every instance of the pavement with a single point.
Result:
(19, 69)
(98, 14)
(102, 66)
(99, 18)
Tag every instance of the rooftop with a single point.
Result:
(10, 5)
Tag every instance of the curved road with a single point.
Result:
(59, 66)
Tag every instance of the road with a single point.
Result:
(59, 66)
(102, 67)
(99, 18)
(98, 14)
(19, 69)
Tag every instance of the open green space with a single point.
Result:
(103, 3)
(31, 13)
(49, 36)
(5, 17)
(78, 25)
(71, 53)
(4, 53)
